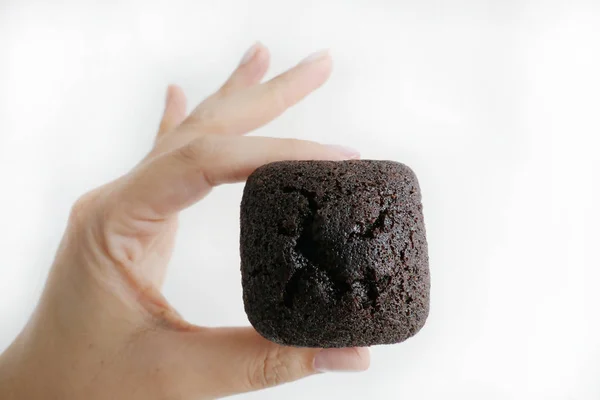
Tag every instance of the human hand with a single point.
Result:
(102, 329)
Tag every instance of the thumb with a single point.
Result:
(238, 360)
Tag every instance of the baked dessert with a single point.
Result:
(333, 253)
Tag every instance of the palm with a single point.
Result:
(158, 252)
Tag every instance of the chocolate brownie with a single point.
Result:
(333, 253)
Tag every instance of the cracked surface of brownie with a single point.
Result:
(333, 253)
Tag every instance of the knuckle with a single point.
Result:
(296, 148)
(195, 151)
(204, 115)
(96, 208)
(207, 118)
(83, 207)
(200, 154)
(279, 93)
(272, 370)
(188, 153)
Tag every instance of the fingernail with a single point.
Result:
(345, 151)
(249, 54)
(316, 56)
(338, 360)
(169, 95)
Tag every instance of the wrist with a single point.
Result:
(13, 383)
(35, 365)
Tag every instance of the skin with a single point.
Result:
(102, 329)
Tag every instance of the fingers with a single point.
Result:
(252, 68)
(175, 110)
(250, 108)
(257, 105)
(238, 360)
(260, 104)
(175, 180)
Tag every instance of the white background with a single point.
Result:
(495, 104)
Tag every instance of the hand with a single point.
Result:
(102, 329)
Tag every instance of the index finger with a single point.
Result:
(171, 182)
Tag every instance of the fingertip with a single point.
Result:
(325, 69)
(319, 62)
(254, 53)
(263, 57)
(250, 70)
(168, 95)
(321, 55)
(262, 52)
(176, 95)
(290, 87)
(175, 105)
(174, 111)
(249, 54)
(260, 64)
(355, 359)
(345, 152)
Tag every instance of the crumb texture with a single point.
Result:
(333, 253)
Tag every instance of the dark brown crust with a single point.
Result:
(333, 253)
